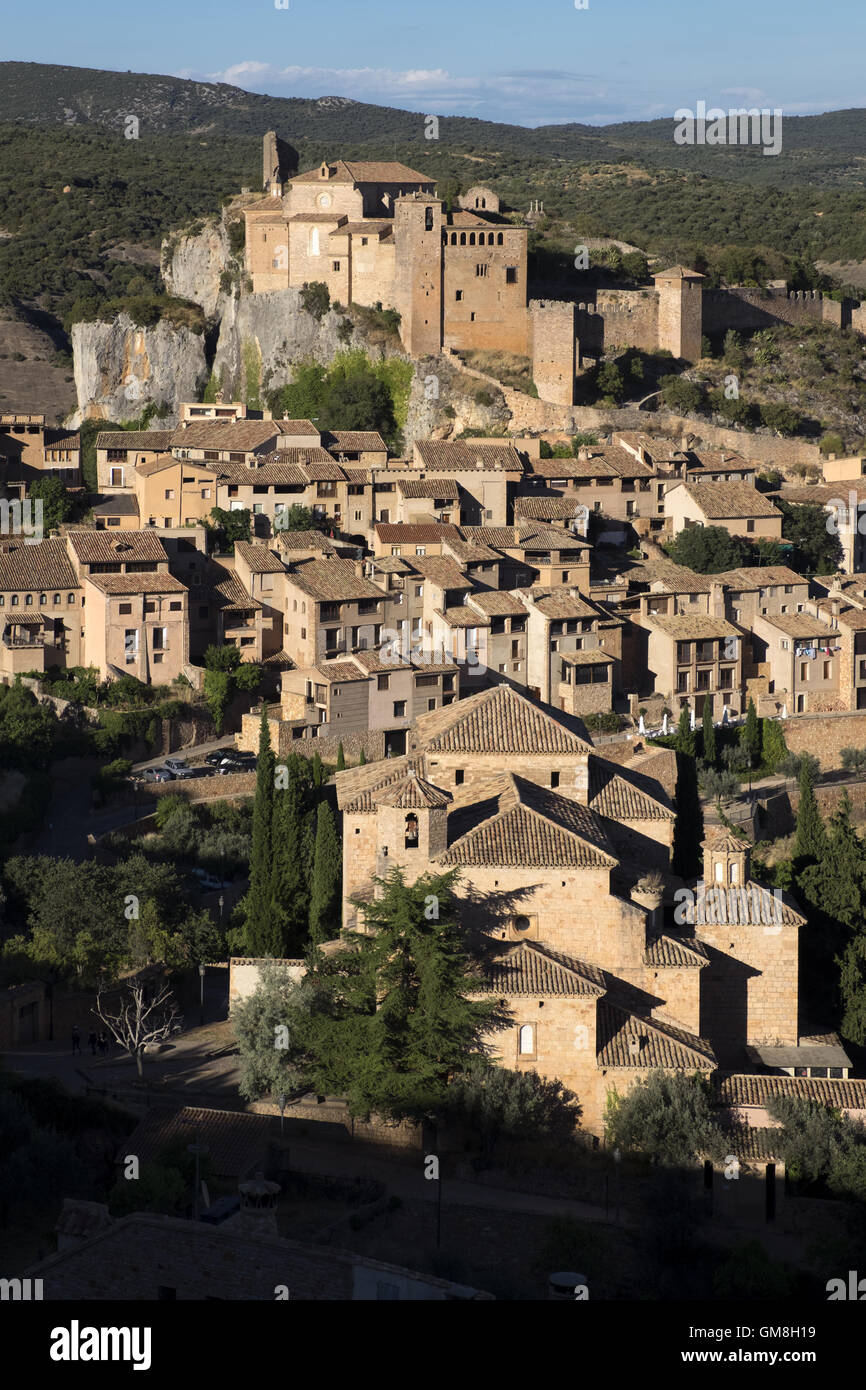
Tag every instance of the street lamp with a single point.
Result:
(201, 971)
(222, 905)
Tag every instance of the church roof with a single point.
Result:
(534, 828)
(414, 793)
(674, 951)
(381, 171)
(745, 1089)
(724, 842)
(613, 795)
(498, 720)
(531, 969)
(659, 1044)
(748, 905)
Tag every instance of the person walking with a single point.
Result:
(76, 1041)
(91, 1042)
(103, 1044)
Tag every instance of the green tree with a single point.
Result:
(685, 735)
(817, 549)
(668, 1116)
(689, 824)
(257, 903)
(230, 526)
(750, 734)
(326, 885)
(400, 1018)
(709, 734)
(269, 1026)
(316, 299)
(289, 888)
(811, 836)
(296, 518)
(708, 549)
(57, 505)
(494, 1103)
(341, 759)
(362, 758)
(852, 988)
(609, 381)
(773, 747)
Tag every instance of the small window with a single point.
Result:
(383, 682)
(56, 598)
(527, 1031)
(125, 608)
(554, 779)
(459, 296)
(399, 709)
(459, 775)
(511, 275)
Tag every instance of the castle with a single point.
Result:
(376, 233)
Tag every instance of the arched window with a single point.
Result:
(526, 1044)
(453, 238)
(462, 238)
(484, 202)
(720, 871)
(478, 202)
(735, 873)
(471, 238)
(428, 219)
(500, 240)
(314, 241)
(411, 831)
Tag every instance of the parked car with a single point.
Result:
(232, 765)
(179, 767)
(214, 759)
(209, 882)
(157, 774)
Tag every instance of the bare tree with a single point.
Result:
(140, 1021)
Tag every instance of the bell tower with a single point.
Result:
(412, 824)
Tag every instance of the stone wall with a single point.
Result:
(746, 309)
(825, 735)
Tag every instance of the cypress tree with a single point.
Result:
(257, 913)
(750, 734)
(811, 841)
(686, 741)
(289, 887)
(327, 878)
(363, 758)
(318, 771)
(341, 759)
(689, 826)
(773, 747)
(709, 733)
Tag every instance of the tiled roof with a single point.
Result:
(749, 905)
(538, 536)
(389, 564)
(720, 501)
(353, 171)
(544, 508)
(446, 488)
(129, 547)
(591, 657)
(534, 828)
(724, 842)
(340, 672)
(624, 463)
(334, 580)
(305, 540)
(155, 441)
(238, 436)
(498, 720)
(372, 661)
(612, 795)
(798, 624)
(717, 461)
(760, 577)
(276, 472)
(235, 1141)
(297, 427)
(392, 533)
(231, 596)
(500, 537)
(320, 470)
(462, 616)
(440, 570)
(357, 787)
(684, 626)
(596, 466)
(120, 504)
(529, 969)
(114, 584)
(562, 603)
(497, 603)
(44, 565)
(259, 558)
(163, 461)
(665, 575)
(466, 456)
(674, 951)
(748, 1089)
(755, 1145)
(57, 439)
(414, 793)
(659, 1044)
(355, 441)
(471, 553)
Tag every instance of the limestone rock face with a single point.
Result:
(120, 368)
(275, 330)
(192, 266)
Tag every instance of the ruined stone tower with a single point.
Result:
(418, 272)
(680, 319)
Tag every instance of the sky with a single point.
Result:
(529, 62)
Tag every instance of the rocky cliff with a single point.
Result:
(193, 264)
(120, 369)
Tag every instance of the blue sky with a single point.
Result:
(525, 61)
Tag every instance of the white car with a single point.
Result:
(207, 881)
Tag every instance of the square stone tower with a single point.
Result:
(418, 272)
(680, 321)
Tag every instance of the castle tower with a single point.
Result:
(554, 349)
(680, 317)
(418, 272)
(412, 826)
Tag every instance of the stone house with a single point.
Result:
(737, 507)
(800, 655)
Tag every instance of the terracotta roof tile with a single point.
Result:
(534, 828)
(530, 969)
(129, 547)
(332, 579)
(657, 1044)
(749, 1089)
(236, 436)
(720, 501)
(674, 952)
(45, 565)
(498, 720)
(259, 558)
(414, 793)
(137, 583)
(612, 795)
